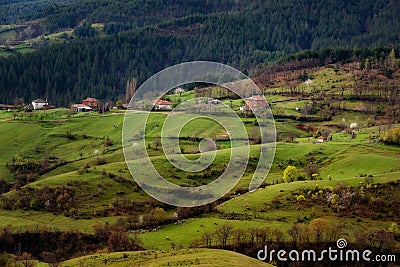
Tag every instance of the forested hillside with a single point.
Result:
(128, 14)
(243, 34)
(12, 11)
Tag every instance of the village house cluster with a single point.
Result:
(88, 104)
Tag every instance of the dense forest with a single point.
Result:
(12, 11)
(128, 14)
(142, 37)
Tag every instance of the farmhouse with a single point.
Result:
(320, 139)
(254, 102)
(39, 104)
(93, 103)
(6, 107)
(80, 108)
(160, 104)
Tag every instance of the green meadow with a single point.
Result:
(83, 153)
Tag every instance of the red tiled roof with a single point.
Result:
(161, 102)
(256, 98)
(321, 137)
(90, 99)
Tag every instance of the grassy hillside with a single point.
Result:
(188, 257)
(83, 179)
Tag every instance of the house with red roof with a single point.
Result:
(93, 103)
(254, 102)
(160, 104)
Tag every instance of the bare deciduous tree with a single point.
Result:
(295, 232)
(319, 226)
(207, 238)
(223, 233)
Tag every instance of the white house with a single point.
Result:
(39, 103)
(160, 104)
(321, 139)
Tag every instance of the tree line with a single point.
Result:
(53, 246)
(262, 32)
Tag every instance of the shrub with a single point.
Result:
(312, 169)
(101, 161)
(392, 137)
(107, 142)
(290, 174)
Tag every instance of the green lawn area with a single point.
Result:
(15, 139)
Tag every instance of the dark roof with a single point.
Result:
(39, 101)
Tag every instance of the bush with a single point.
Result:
(290, 174)
(156, 216)
(312, 169)
(107, 142)
(101, 161)
(392, 137)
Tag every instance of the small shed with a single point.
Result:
(320, 139)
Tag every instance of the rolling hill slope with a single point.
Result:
(192, 257)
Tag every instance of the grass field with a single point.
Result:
(185, 257)
(343, 161)
(93, 165)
